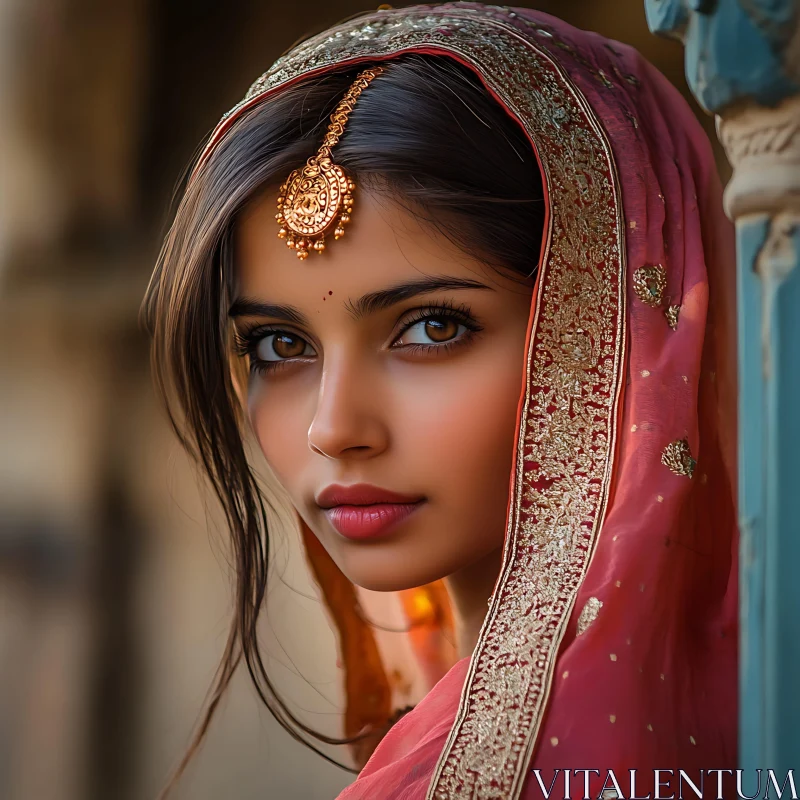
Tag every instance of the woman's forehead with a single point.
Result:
(384, 245)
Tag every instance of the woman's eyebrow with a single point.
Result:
(367, 304)
(248, 307)
(384, 298)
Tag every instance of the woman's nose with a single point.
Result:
(349, 418)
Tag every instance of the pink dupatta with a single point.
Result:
(610, 642)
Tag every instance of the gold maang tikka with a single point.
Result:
(319, 195)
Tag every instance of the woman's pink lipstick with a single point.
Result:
(363, 511)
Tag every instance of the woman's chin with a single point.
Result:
(377, 582)
(381, 577)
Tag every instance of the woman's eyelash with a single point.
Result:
(247, 340)
(246, 343)
(442, 308)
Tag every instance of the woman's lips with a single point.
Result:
(362, 511)
(368, 521)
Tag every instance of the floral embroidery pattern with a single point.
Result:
(649, 284)
(672, 313)
(678, 458)
(588, 615)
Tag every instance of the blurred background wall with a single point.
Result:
(114, 586)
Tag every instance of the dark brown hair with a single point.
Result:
(428, 134)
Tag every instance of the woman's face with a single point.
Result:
(393, 360)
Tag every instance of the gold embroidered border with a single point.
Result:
(567, 433)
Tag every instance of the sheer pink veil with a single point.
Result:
(651, 680)
(610, 642)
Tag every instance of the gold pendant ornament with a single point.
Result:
(319, 196)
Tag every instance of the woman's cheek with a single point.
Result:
(282, 435)
(461, 416)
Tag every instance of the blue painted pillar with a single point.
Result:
(743, 65)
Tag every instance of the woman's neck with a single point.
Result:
(469, 591)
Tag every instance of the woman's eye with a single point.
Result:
(281, 345)
(432, 330)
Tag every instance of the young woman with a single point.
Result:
(494, 362)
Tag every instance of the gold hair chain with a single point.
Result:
(320, 195)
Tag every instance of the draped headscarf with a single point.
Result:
(610, 641)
